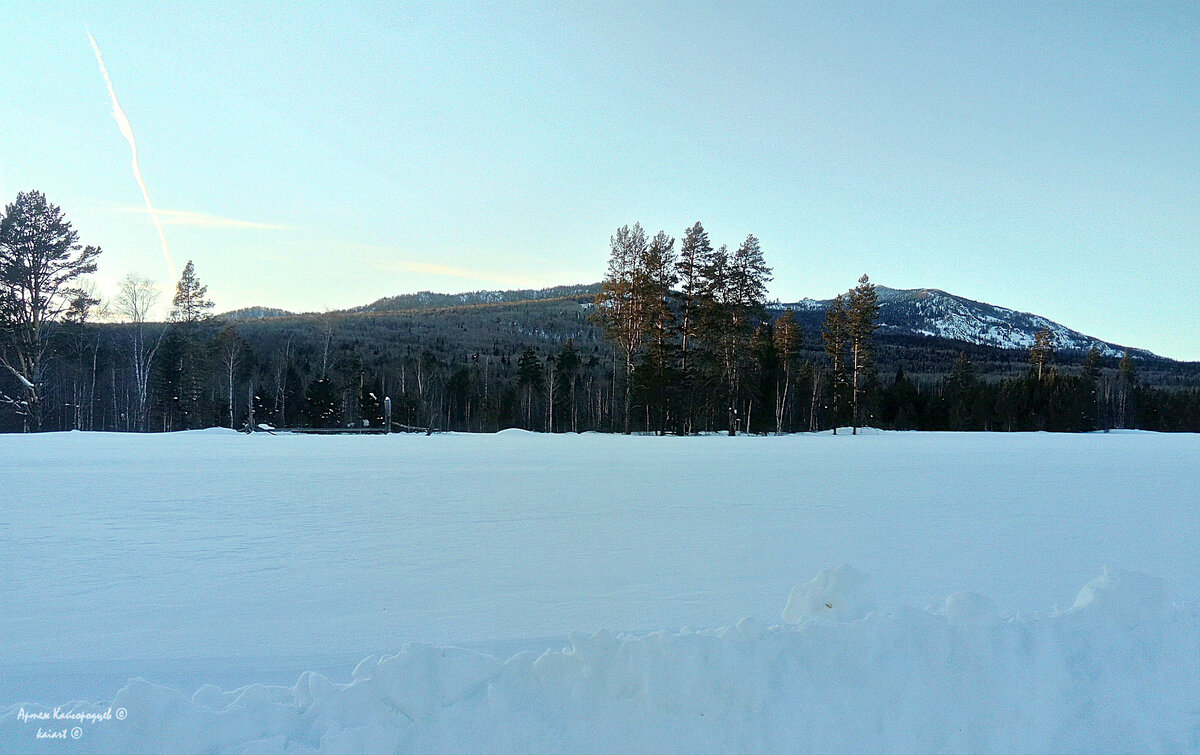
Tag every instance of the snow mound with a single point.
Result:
(971, 609)
(953, 680)
(841, 594)
(1127, 597)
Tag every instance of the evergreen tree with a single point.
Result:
(960, 392)
(787, 346)
(620, 307)
(458, 392)
(748, 278)
(190, 314)
(1041, 353)
(1127, 369)
(1091, 365)
(810, 387)
(761, 380)
(1127, 386)
(78, 348)
(694, 250)
(1091, 383)
(837, 334)
(569, 363)
(962, 375)
(321, 403)
(529, 379)
(902, 406)
(862, 311)
(733, 299)
(715, 342)
(657, 277)
(41, 262)
(189, 304)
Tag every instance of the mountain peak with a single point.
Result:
(933, 312)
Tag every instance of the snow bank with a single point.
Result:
(841, 594)
(1117, 672)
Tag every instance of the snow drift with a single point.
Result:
(1116, 672)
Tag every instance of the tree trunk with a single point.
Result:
(549, 400)
(854, 393)
(628, 390)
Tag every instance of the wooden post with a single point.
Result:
(387, 415)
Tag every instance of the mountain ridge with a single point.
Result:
(937, 313)
(919, 312)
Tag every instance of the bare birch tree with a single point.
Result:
(135, 298)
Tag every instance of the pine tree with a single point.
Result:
(321, 403)
(1127, 384)
(620, 307)
(1091, 365)
(811, 384)
(962, 374)
(732, 299)
(1041, 353)
(189, 304)
(190, 311)
(1091, 382)
(748, 277)
(760, 380)
(1127, 369)
(41, 262)
(901, 409)
(529, 379)
(837, 334)
(657, 276)
(787, 345)
(960, 389)
(693, 252)
(862, 311)
(568, 367)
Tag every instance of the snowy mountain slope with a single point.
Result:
(931, 312)
(431, 300)
(255, 313)
(927, 312)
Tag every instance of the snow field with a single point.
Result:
(202, 562)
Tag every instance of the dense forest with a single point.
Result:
(678, 338)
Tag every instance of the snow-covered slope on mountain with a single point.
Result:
(255, 313)
(930, 312)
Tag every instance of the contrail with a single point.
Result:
(127, 132)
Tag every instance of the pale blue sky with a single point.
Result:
(1040, 157)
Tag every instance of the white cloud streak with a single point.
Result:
(127, 132)
(202, 220)
(431, 268)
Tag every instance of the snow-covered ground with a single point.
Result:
(601, 593)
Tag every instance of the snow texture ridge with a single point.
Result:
(1115, 673)
(931, 312)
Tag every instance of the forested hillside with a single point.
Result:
(560, 359)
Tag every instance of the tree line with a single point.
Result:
(679, 339)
